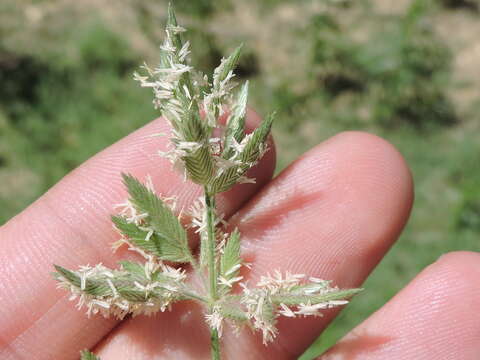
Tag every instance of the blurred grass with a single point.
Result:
(388, 67)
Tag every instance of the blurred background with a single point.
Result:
(407, 70)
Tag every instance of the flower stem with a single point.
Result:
(212, 273)
(212, 269)
(215, 344)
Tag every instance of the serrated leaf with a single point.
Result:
(178, 42)
(199, 165)
(231, 254)
(162, 248)
(227, 179)
(87, 355)
(233, 312)
(227, 65)
(138, 237)
(172, 23)
(221, 85)
(92, 287)
(252, 150)
(124, 283)
(136, 270)
(191, 126)
(230, 259)
(268, 311)
(250, 155)
(133, 294)
(169, 241)
(314, 298)
(236, 122)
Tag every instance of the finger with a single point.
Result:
(70, 225)
(434, 317)
(332, 214)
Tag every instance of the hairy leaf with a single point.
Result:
(227, 179)
(134, 295)
(136, 270)
(125, 283)
(92, 287)
(233, 312)
(172, 23)
(137, 236)
(236, 122)
(313, 299)
(227, 65)
(169, 241)
(191, 127)
(199, 165)
(249, 156)
(230, 259)
(253, 149)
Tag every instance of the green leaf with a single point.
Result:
(252, 150)
(98, 286)
(230, 259)
(133, 294)
(236, 122)
(169, 241)
(92, 287)
(227, 65)
(192, 127)
(233, 312)
(268, 312)
(135, 270)
(172, 22)
(137, 236)
(313, 299)
(231, 254)
(186, 78)
(199, 165)
(227, 179)
(87, 355)
(162, 248)
(250, 155)
(125, 282)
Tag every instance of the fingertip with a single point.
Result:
(434, 317)
(375, 175)
(371, 150)
(467, 258)
(460, 271)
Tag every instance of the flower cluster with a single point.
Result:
(182, 95)
(134, 289)
(288, 296)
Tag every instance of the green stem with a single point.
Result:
(192, 296)
(212, 269)
(210, 204)
(215, 344)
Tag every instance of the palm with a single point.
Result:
(333, 213)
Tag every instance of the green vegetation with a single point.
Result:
(67, 92)
(399, 71)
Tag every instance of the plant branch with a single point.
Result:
(212, 268)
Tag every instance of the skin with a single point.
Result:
(333, 213)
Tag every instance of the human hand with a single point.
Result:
(333, 214)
